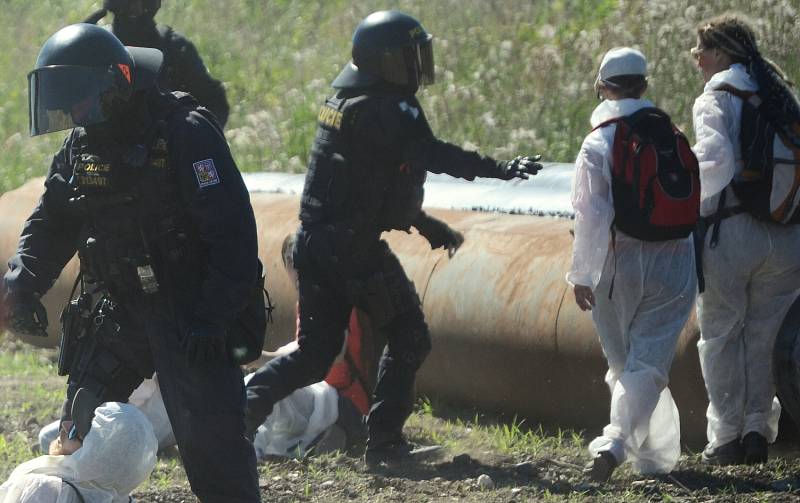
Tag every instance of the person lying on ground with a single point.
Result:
(115, 456)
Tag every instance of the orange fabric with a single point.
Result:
(340, 375)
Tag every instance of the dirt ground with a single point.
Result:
(459, 478)
(483, 459)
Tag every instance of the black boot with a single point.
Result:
(731, 453)
(601, 467)
(755, 448)
(394, 450)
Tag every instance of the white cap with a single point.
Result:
(622, 61)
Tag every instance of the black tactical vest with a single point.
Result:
(128, 198)
(350, 183)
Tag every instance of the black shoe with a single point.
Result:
(400, 451)
(601, 467)
(755, 448)
(731, 453)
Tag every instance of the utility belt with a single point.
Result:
(84, 321)
(125, 271)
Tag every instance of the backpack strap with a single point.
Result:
(77, 492)
(715, 220)
(614, 251)
(750, 97)
(699, 237)
(607, 123)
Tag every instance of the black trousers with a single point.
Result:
(205, 403)
(333, 276)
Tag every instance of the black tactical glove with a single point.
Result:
(84, 403)
(519, 167)
(438, 233)
(26, 314)
(204, 345)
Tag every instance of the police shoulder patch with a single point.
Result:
(409, 109)
(206, 173)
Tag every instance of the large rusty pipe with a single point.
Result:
(507, 333)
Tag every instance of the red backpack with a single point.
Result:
(655, 177)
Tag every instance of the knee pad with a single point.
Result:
(385, 296)
(411, 346)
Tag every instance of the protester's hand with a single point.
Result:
(519, 167)
(440, 235)
(26, 315)
(584, 297)
(204, 345)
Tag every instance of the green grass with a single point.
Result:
(493, 444)
(32, 396)
(512, 75)
(478, 432)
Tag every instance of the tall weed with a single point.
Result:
(513, 76)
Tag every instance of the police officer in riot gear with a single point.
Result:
(145, 190)
(366, 172)
(184, 70)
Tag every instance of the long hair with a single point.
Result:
(732, 34)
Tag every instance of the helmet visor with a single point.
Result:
(63, 97)
(410, 65)
(424, 55)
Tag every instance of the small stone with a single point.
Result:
(462, 460)
(327, 483)
(516, 490)
(485, 482)
(438, 480)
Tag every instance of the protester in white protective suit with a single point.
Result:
(147, 398)
(117, 455)
(654, 284)
(751, 266)
(303, 420)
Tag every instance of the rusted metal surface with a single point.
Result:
(507, 333)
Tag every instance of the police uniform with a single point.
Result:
(166, 238)
(184, 69)
(366, 172)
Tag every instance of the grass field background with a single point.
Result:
(513, 76)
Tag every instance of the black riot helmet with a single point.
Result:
(133, 9)
(83, 75)
(392, 47)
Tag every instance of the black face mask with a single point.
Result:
(127, 121)
(138, 32)
(133, 9)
